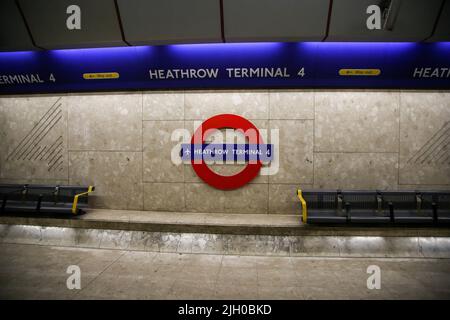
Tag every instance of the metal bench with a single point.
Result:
(368, 207)
(49, 199)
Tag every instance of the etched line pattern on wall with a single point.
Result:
(436, 151)
(32, 146)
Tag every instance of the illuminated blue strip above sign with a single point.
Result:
(229, 65)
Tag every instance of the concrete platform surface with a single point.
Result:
(40, 272)
(214, 223)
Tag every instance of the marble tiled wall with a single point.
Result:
(121, 143)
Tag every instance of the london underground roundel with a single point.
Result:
(252, 167)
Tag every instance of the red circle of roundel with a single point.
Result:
(210, 177)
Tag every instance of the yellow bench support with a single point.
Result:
(304, 207)
(75, 199)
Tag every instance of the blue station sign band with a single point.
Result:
(229, 65)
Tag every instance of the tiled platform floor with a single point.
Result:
(39, 272)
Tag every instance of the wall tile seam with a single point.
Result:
(161, 119)
(268, 117)
(287, 90)
(37, 179)
(100, 93)
(142, 148)
(229, 212)
(188, 182)
(202, 183)
(184, 168)
(199, 182)
(314, 139)
(169, 120)
(288, 119)
(32, 95)
(208, 116)
(68, 140)
(165, 182)
(104, 151)
(399, 136)
(226, 91)
(423, 184)
(191, 181)
(290, 184)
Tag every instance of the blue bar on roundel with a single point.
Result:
(227, 152)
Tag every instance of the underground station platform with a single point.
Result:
(171, 255)
(157, 255)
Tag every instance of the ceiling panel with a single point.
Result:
(54, 23)
(442, 32)
(408, 20)
(170, 21)
(14, 35)
(275, 20)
